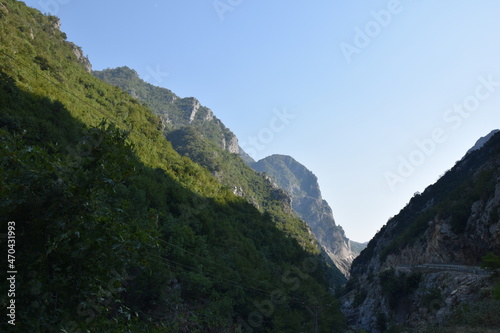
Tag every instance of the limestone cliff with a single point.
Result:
(80, 57)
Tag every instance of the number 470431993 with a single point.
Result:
(11, 244)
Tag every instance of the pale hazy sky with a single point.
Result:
(377, 98)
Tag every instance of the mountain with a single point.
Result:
(110, 229)
(302, 185)
(204, 140)
(422, 267)
(482, 141)
(174, 112)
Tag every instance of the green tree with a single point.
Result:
(490, 262)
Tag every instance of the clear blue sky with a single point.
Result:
(360, 82)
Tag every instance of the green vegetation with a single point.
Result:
(176, 112)
(360, 297)
(491, 262)
(381, 323)
(200, 139)
(232, 172)
(478, 317)
(481, 314)
(397, 286)
(433, 299)
(496, 292)
(204, 139)
(115, 231)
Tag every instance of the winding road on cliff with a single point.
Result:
(446, 267)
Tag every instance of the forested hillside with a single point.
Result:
(114, 230)
(174, 112)
(196, 133)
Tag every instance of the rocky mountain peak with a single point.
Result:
(302, 186)
(481, 142)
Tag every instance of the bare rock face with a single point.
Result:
(481, 142)
(3, 9)
(230, 143)
(432, 300)
(80, 57)
(442, 289)
(56, 23)
(302, 186)
(194, 111)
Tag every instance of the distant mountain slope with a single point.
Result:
(454, 222)
(302, 185)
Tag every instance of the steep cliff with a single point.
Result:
(302, 185)
(424, 263)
